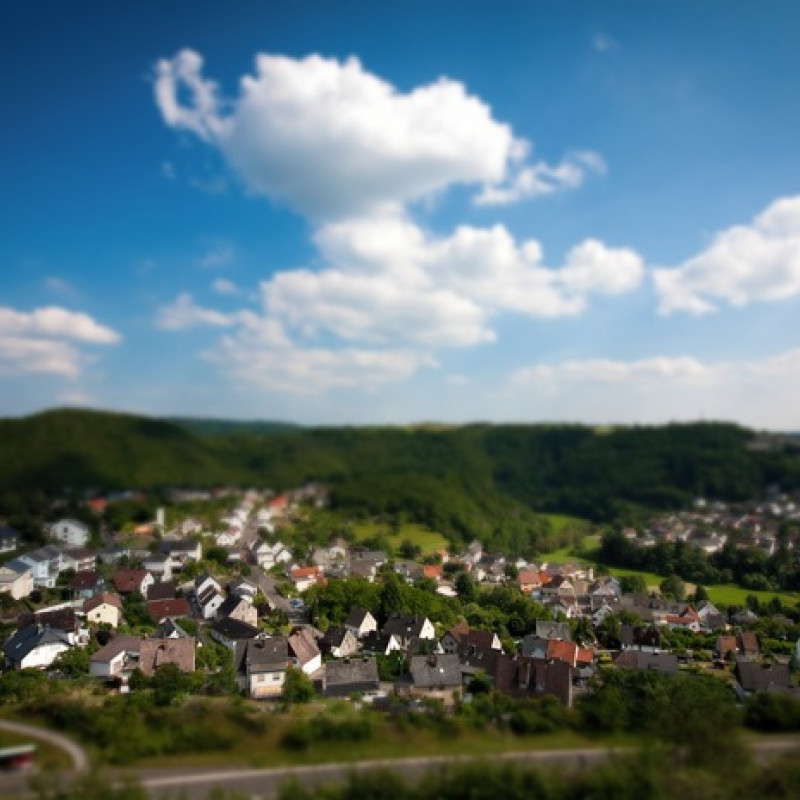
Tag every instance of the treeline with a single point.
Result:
(749, 567)
(480, 481)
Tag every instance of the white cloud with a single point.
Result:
(758, 392)
(58, 322)
(284, 367)
(759, 262)
(41, 341)
(389, 281)
(542, 179)
(604, 371)
(223, 286)
(59, 286)
(168, 170)
(219, 256)
(184, 313)
(23, 355)
(334, 140)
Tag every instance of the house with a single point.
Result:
(103, 609)
(86, 584)
(366, 563)
(70, 532)
(9, 539)
(118, 657)
(339, 642)
(36, 646)
(533, 677)
(352, 676)
(181, 552)
(155, 653)
(170, 629)
(171, 608)
(129, 581)
(46, 563)
(208, 593)
(436, 676)
(711, 617)
(380, 643)
(268, 555)
(16, 578)
(305, 577)
(752, 677)
(434, 572)
(238, 608)
(530, 581)
(747, 642)
(304, 651)
(688, 619)
(607, 587)
(163, 590)
(638, 659)
(552, 629)
(360, 622)
(230, 631)
(262, 665)
(407, 628)
(569, 652)
(646, 638)
(462, 637)
(410, 571)
(80, 559)
(159, 565)
(243, 588)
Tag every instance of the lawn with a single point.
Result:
(651, 578)
(729, 595)
(561, 521)
(427, 540)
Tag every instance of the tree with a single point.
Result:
(391, 596)
(297, 686)
(673, 587)
(74, 663)
(466, 587)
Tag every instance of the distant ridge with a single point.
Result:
(473, 480)
(210, 426)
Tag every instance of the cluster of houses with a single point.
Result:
(712, 525)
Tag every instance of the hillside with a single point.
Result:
(485, 480)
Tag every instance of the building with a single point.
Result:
(103, 609)
(70, 532)
(36, 646)
(16, 578)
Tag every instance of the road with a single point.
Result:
(262, 784)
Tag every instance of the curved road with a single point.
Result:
(80, 759)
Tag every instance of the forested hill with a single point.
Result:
(481, 478)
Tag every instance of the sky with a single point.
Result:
(400, 212)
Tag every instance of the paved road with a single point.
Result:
(263, 784)
(80, 759)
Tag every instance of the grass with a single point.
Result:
(651, 578)
(561, 521)
(427, 540)
(388, 741)
(730, 595)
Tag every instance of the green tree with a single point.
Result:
(466, 587)
(297, 687)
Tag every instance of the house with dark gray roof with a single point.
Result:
(639, 659)
(338, 642)
(406, 628)
(230, 631)
(261, 665)
(752, 677)
(352, 676)
(36, 646)
(360, 622)
(436, 676)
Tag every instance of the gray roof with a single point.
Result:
(119, 644)
(548, 629)
(404, 627)
(356, 617)
(351, 675)
(435, 672)
(755, 677)
(234, 629)
(636, 659)
(266, 654)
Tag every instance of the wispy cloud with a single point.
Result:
(602, 42)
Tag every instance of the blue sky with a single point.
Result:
(361, 212)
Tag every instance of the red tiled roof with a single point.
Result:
(562, 651)
(129, 580)
(305, 572)
(175, 607)
(434, 571)
(100, 599)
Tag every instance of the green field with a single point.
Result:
(427, 540)
(737, 596)
(561, 521)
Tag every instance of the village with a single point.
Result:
(154, 598)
